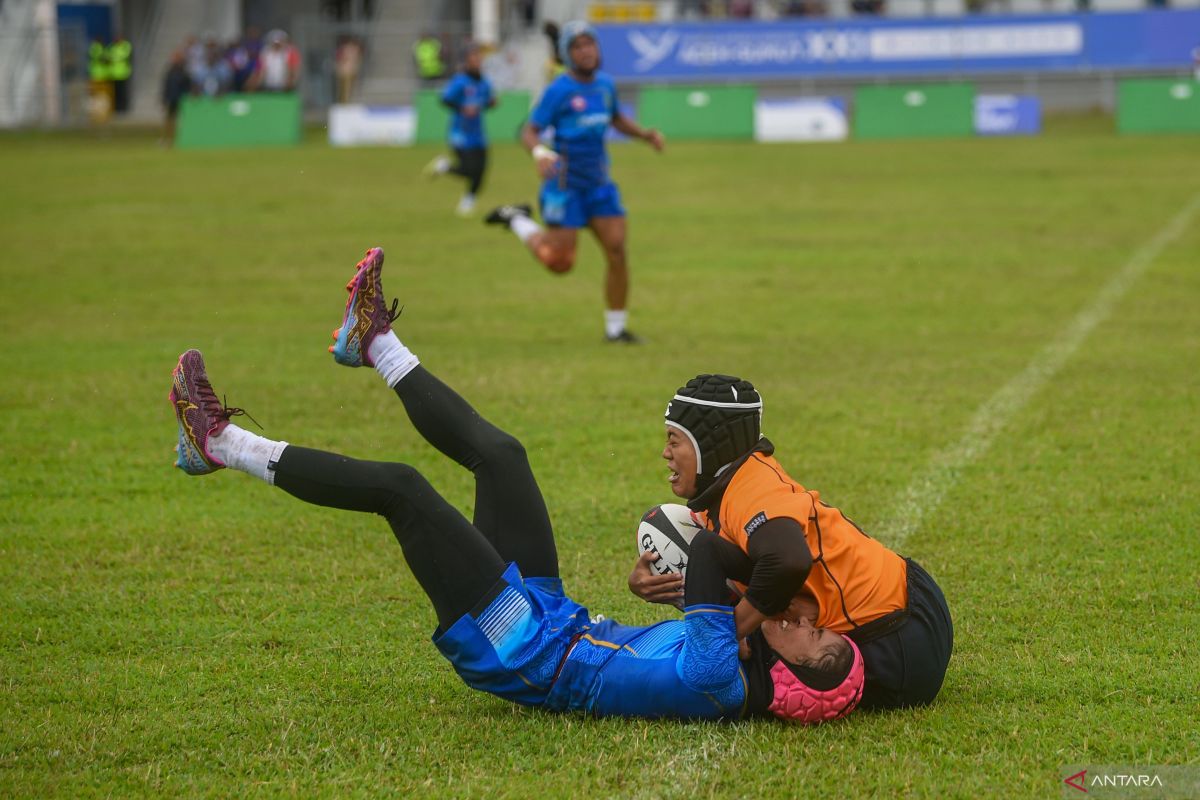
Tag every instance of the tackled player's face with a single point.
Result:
(585, 54)
(798, 641)
(681, 459)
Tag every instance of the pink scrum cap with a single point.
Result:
(796, 701)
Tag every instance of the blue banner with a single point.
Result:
(1008, 114)
(936, 46)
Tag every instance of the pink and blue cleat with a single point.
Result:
(367, 314)
(199, 413)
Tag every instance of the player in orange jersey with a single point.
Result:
(799, 558)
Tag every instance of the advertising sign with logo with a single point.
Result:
(801, 119)
(932, 46)
(1008, 115)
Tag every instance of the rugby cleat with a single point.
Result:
(440, 165)
(367, 314)
(199, 413)
(626, 336)
(503, 215)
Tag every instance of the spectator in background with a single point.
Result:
(215, 77)
(427, 55)
(804, 8)
(120, 70)
(468, 95)
(197, 56)
(242, 56)
(176, 84)
(278, 67)
(347, 63)
(741, 9)
(866, 6)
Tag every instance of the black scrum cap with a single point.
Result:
(721, 415)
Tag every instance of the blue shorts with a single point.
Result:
(513, 645)
(574, 208)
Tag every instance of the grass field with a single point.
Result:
(166, 635)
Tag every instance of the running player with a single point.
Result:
(576, 192)
(504, 622)
(807, 560)
(468, 95)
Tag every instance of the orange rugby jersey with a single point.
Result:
(854, 578)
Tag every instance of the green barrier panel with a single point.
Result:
(888, 112)
(238, 120)
(502, 123)
(1158, 105)
(699, 112)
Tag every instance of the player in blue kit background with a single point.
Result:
(577, 192)
(468, 95)
(504, 622)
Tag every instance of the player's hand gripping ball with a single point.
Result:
(667, 530)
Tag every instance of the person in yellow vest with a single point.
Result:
(427, 53)
(120, 69)
(100, 88)
(800, 559)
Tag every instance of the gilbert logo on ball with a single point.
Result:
(667, 531)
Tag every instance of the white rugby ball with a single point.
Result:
(667, 530)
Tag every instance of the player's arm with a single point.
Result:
(545, 159)
(709, 659)
(781, 562)
(630, 128)
(451, 98)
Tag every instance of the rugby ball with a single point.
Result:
(667, 530)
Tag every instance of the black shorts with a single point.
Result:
(906, 664)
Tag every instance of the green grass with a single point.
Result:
(164, 635)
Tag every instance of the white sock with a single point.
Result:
(524, 227)
(614, 322)
(391, 358)
(247, 452)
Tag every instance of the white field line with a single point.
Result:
(925, 493)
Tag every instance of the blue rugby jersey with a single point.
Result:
(685, 668)
(580, 113)
(463, 92)
(528, 642)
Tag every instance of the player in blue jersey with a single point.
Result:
(504, 622)
(577, 192)
(468, 95)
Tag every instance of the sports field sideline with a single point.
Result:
(987, 352)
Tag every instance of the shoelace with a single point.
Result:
(393, 313)
(208, 400)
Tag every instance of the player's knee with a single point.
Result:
(560, 263)
(503, 449)
(400, 484)
(401, 479)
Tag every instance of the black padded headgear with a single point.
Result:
(722, 416)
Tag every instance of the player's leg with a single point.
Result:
(607, 221)
(471, 165)
(454, 563)
(553, 245)
(610, 233)
(509, 509)
(438, 165)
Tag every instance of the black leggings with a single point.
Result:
(456, 562)
(471, 165)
